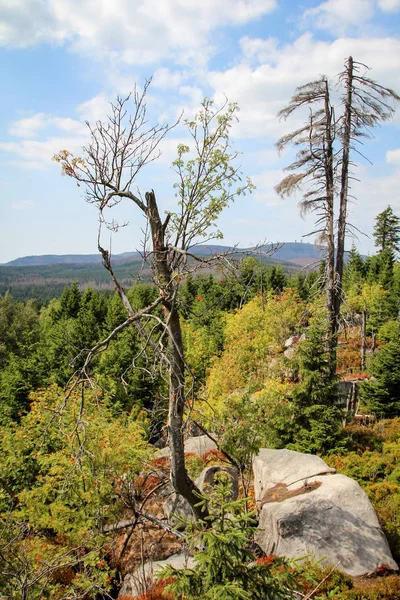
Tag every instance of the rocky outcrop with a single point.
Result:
(194, 445)
(177, 509)
(284, 466)
(140, 580)
(307, 509)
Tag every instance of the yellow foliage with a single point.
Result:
(254, 335)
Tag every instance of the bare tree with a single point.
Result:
(366, 104)
(324, 161)
(208, 178)
(314, 170)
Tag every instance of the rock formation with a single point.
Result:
(307, 509)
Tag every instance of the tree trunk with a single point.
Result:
(363, 339)
(344, 187)
(167, 287)
(330, 262)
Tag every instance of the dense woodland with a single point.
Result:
(234, 331)
(91, 383)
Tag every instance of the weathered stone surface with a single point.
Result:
(329, 518)
(140, 580)
(199, 445)
(292, 341)
(196, 445)
(176, 509)
(176, 506)
(284, 466)
(207, 479)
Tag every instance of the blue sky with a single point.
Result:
(62, 61)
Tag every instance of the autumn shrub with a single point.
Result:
(253, 336)
(213, 457)
(64, 477)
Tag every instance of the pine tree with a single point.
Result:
(382, 393)
(355, 269)
(387, 230)
(70, 301)
(317, 420)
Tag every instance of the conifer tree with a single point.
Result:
(355, 269)
(382, 393)
(387, 230)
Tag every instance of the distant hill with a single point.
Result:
(290, 251)
(65, 259)
(44, 277)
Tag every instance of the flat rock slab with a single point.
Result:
(284, 466)
(333, 522)
(140, 580)
(194, 445)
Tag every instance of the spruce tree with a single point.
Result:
(387, 230)
(381, 394)
(354, 271)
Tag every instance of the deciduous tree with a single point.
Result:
(208, 178)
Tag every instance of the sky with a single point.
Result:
(63, 61)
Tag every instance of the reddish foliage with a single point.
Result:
(64, 575)
(156, 592)
(266, 560)
(382, 571)
(351, 376)
(213, 455)
(146, 483)
(162, 462)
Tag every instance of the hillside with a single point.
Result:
(289, 251)
(44, 277)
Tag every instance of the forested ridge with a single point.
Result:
(92, 384)
(44, 277)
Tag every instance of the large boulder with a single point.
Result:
(284, 466)
(140, 581)
(206, 479)
(194, 445)
(326, 516)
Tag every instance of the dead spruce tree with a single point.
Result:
(314, 169)
(327, 144)
(208, 178)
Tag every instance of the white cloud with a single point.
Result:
(95, 109)
(43, 136)
(389, 5)
(165, 78)
(259, 49)
(38, 154)
(261, 90)
(373, 194)
(29, 127)
(136, 32)
(393, 157)
(338, 15)
(265, 183)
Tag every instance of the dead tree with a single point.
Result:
(208, 178)
(324, 162)
(315, 170)
(366, 104)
